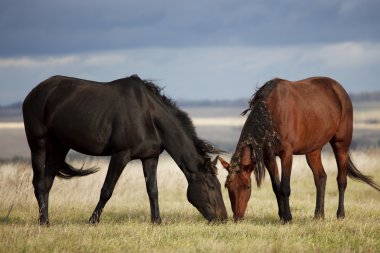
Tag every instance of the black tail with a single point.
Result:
(67, 171)
(355, 174)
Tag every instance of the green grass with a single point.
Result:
(125, 223)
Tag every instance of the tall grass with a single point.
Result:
(125, 223)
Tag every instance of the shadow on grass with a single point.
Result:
(12, 221)
(143, 218)
(110, 217)
(168, 218)
(264, 220)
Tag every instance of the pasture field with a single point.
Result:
(125, 223)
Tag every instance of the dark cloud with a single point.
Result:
(58, 27)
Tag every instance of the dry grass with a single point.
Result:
(125, 225)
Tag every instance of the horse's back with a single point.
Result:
(59, 95)
(84, 115)
(50, 92)
(309, 112)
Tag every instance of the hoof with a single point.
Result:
(340, 216)
(286, 220)
(237, 218)
(46, 223)
(93, 220)
(319, 216)
(156, 221)
(95, 217)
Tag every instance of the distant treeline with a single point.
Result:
(365, 97)
(242, 102)
(214, 103)
(16, 106)
(12, 109)
(355, 97)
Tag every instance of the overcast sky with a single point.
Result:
(210, 49)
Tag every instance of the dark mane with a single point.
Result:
(261, 94)
(202, 146)
(259, 132)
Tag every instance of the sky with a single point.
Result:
(208, 49)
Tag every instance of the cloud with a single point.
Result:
(343, 56)
(46, 27)
(202, 72)
(334, 56)
(30, 62)
(103, 59)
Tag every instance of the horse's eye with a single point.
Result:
(247, 187)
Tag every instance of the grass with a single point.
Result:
(125, 223)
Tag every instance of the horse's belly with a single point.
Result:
(84, 139)
(308, 141)
(87, 145)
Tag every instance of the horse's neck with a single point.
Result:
(185, 155)
(182, 149)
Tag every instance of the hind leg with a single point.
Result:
(38, 153)
(46, 161)
(55, 158)
(341, 156)
(320, 177)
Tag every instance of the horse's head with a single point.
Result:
(238, 183)
(204, 192)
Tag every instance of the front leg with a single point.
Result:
(271, 165)
(115, 168)
(150, 174)
(286, 166)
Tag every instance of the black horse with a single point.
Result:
(126, 119)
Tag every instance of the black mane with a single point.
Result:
(261, 94)
(259, 132)
(202, 146)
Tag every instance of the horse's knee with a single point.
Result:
(342, 183)
(153, 193)
(38, 184)
(322, 176)
(285, 189)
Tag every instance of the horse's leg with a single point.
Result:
(150, 174)
(115, 168)
(315, 163)
(286, 166)
(341, 156)
(271, 165)
(55, 158)
(38, 153)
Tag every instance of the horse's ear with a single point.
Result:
(225, 164)
(246, 160)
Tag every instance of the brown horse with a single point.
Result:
(289, 118)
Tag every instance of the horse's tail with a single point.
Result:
(355, 174)
(67, 171)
